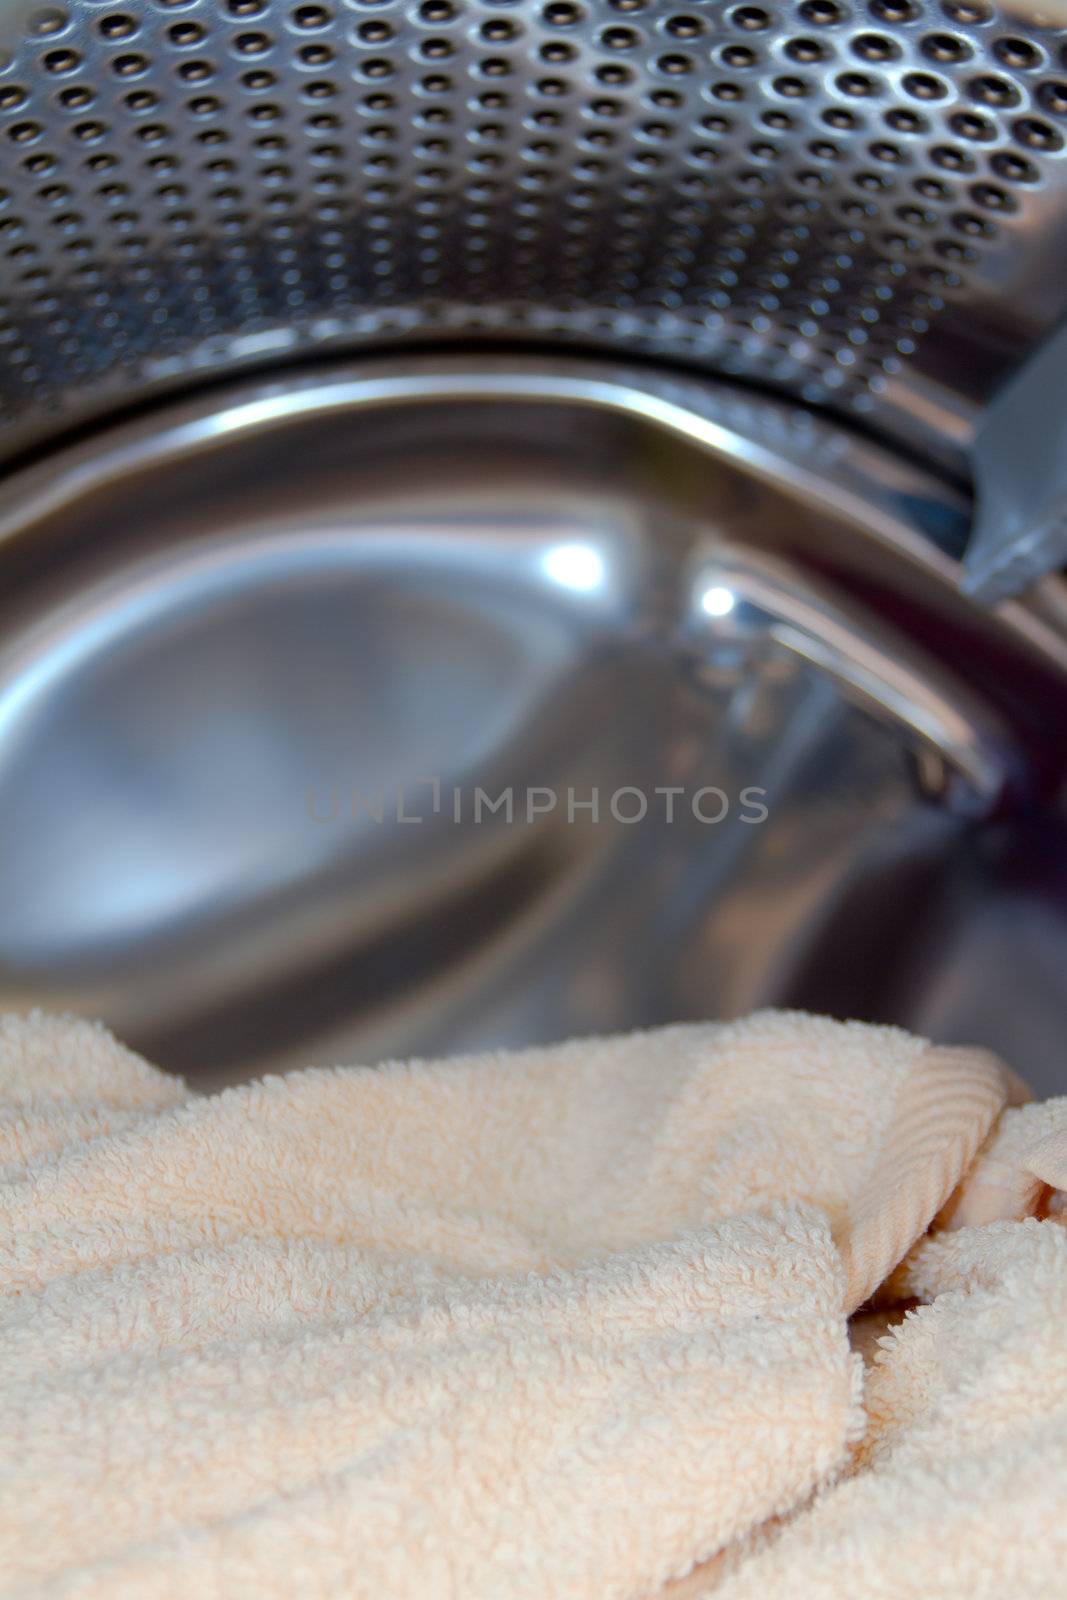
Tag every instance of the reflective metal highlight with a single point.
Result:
(233, 632)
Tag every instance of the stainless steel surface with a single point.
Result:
(861, 204)
(229, 633)
(868, 664)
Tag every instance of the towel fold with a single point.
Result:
(568, 1322)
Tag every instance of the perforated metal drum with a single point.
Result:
(862, 204)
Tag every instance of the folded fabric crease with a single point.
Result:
(592, 1321)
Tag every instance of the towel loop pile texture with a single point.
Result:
(767, 1308)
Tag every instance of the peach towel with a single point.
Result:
(567, 1323)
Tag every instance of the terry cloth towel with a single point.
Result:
(563, 1324)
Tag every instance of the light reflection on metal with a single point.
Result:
(717, 600)
(897, 681)
(574, 566)
(230, 632)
